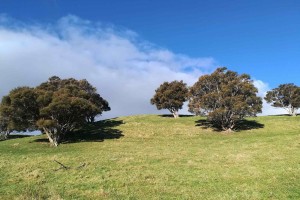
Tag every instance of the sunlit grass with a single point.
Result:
(158, 158)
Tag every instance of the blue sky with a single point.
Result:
(261, 38)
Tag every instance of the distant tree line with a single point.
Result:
(225, 97)
(59, 106)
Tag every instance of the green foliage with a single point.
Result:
(226, 97)
(4, 128)
(19, 110)
(285, 96)
(170, 96)
(158, 158)
(56, 107)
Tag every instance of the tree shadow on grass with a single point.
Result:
(283, 115)
(42, 140)
(96, 132)
(93, 132)
(242, 125)
(15, 136)
(171, 116)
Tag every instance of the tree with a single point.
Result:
(18, 111)
(285, 96)
(170, 96)
(55, 107)
(225, 97)
(4, 131)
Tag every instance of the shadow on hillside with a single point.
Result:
(11, 137)
(241, 126)
(171, 116)
(93, 132)
(96, 132)
(283, 115)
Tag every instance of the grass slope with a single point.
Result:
(155, 157)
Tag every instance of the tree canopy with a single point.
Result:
(55, 107)
(285, 96)
(19, 110)
(225, 97)
(170, 96)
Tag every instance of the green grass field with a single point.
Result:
(156, 157)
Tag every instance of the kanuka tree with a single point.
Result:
(225, 97)
(285, 96)
(18, 111)
(56, 107)
(170, 96)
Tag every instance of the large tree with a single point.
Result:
(55, 107)
(170, 96)
(285, 96)
(19, 110)
(226, 97)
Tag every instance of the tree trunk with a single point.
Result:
(294, 114)
(4, 135)
(175, 114)
(292, 111)
(229, 130)
(226, 129)
(53, 136)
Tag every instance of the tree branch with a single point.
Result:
(62, 165)
(66, 167)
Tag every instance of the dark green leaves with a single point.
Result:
(56, 107)
(225, 97)
(20, 109)
(170, 96)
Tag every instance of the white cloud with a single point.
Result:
(125, 69)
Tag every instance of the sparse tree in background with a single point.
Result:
(225, 97)
(285, 96)
(170, 96)
(56, 107)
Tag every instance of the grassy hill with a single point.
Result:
(157, 157)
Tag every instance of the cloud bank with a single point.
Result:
(123, 67)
